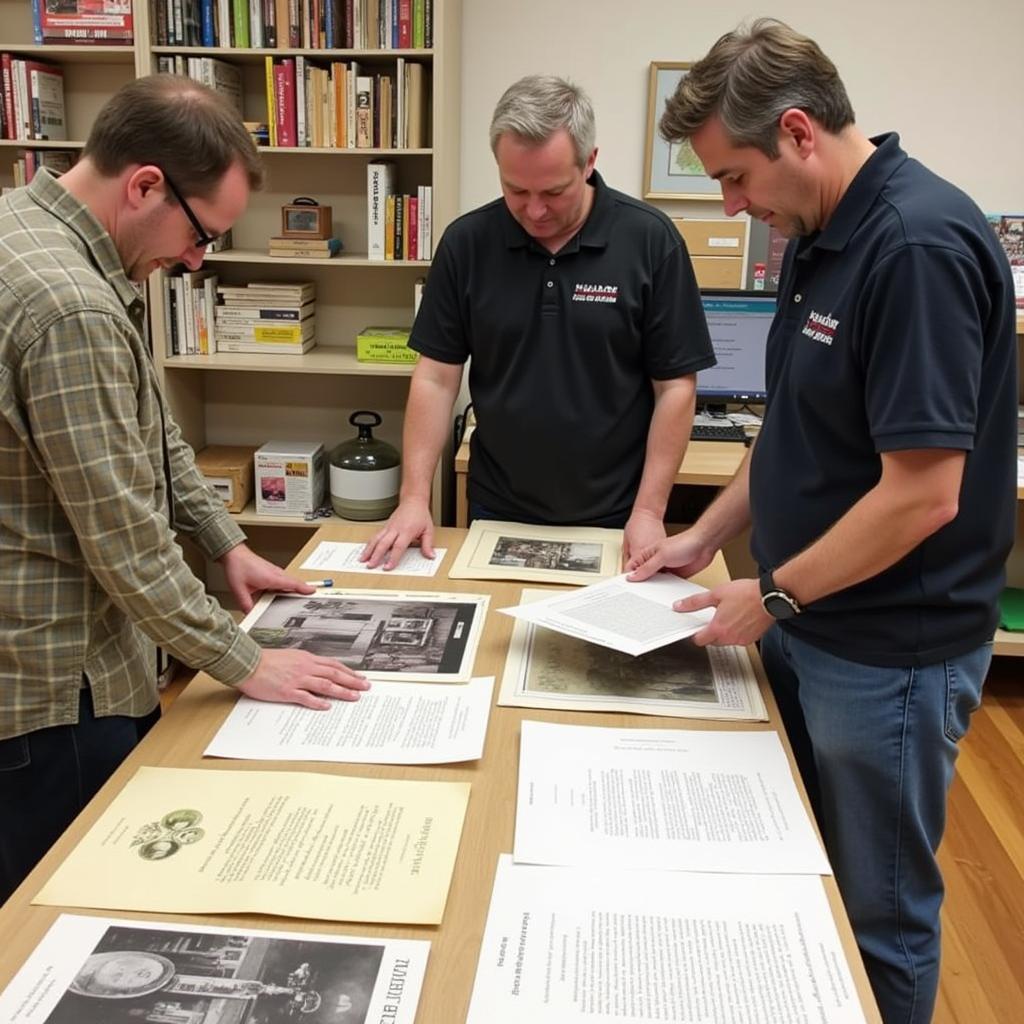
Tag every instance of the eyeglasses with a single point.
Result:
(203, 238)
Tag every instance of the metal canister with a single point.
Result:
(365, 472)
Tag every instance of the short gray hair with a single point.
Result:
(538, 106)
(749, 78)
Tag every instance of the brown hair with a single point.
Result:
(187, 130)
(749, 78)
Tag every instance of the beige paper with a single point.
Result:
(299, 844)
(496, 550)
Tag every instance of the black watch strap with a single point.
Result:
(778, 603)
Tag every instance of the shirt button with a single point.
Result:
(798, 297)
(551, 284)
(551, 263)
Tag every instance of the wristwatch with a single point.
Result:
(776, 601)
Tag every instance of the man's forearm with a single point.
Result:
(667, 438)
(729, 514)
(427, 420)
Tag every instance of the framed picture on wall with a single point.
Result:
(671, 170)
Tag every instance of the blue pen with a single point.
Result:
(320, 583)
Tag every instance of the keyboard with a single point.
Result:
(724, 431)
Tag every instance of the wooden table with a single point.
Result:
(180, 737)
(706, 464)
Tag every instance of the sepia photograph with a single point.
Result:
(547, 669)
(547, 554)
(386, 636)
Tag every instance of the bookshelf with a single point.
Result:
(91, 75)
(233, 398)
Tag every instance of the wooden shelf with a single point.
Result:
(326, 359)
(73, 54)
(256, 56)
(41, 144)
(343, 260)
(342, 151)
(1007, 643)
(250, 517)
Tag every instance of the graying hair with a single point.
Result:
(538, 106)
(749, 78)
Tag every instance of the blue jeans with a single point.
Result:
(48, 776)
(876, 748)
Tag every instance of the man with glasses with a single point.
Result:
(96, 479)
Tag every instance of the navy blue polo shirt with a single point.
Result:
(563, 349)
(895, 331)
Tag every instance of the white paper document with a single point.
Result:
(391, 723)
(671, 799)
(563, 945)
(97, 970)
(339, 556)
(630, 617)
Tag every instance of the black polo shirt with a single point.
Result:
(564, 348)
(895, 331)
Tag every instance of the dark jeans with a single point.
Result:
(48, 776)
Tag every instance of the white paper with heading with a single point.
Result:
(631, 617)
(343, 556)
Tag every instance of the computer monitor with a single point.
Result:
(738, 322)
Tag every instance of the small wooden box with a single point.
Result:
(306, 220)
(229, 471)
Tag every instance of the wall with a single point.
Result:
(945, 74)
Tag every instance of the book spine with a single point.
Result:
(10, 122)
(270, 37)
(37, 22)
(399, 227)
(389, 228)
(240, 19)
(255, 23)
(364, 112)
(301, 102)
(287, 124)
(426, 236)
(412, 230)
(404, 24)
(207, 23)
(268, 65)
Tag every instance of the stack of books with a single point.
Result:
(219, 75)
(92, 22)
(266, 318)
(33, 99)
(315, 248)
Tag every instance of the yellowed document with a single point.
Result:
(299, 844)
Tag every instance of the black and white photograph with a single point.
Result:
(385, 635)
(105, 971)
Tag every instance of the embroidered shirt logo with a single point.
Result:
(820, 327)
(595, 292)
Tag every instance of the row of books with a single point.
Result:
(26, 165)
(202, 317)
(399, 227)
(99, 22)
(306, 24)
(33, 99)
(219, 75)
(340, 107)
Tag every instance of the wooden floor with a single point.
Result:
(982, 859)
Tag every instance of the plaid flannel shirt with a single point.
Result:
(94, 480)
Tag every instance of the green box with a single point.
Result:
(384, 345)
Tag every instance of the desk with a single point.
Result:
(179, 738)
(705, 464)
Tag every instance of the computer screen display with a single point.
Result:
(738, 322)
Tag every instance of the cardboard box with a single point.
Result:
(228, 469)
(718, 271)
(714, 237)
(291, 478)
(384, 345)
